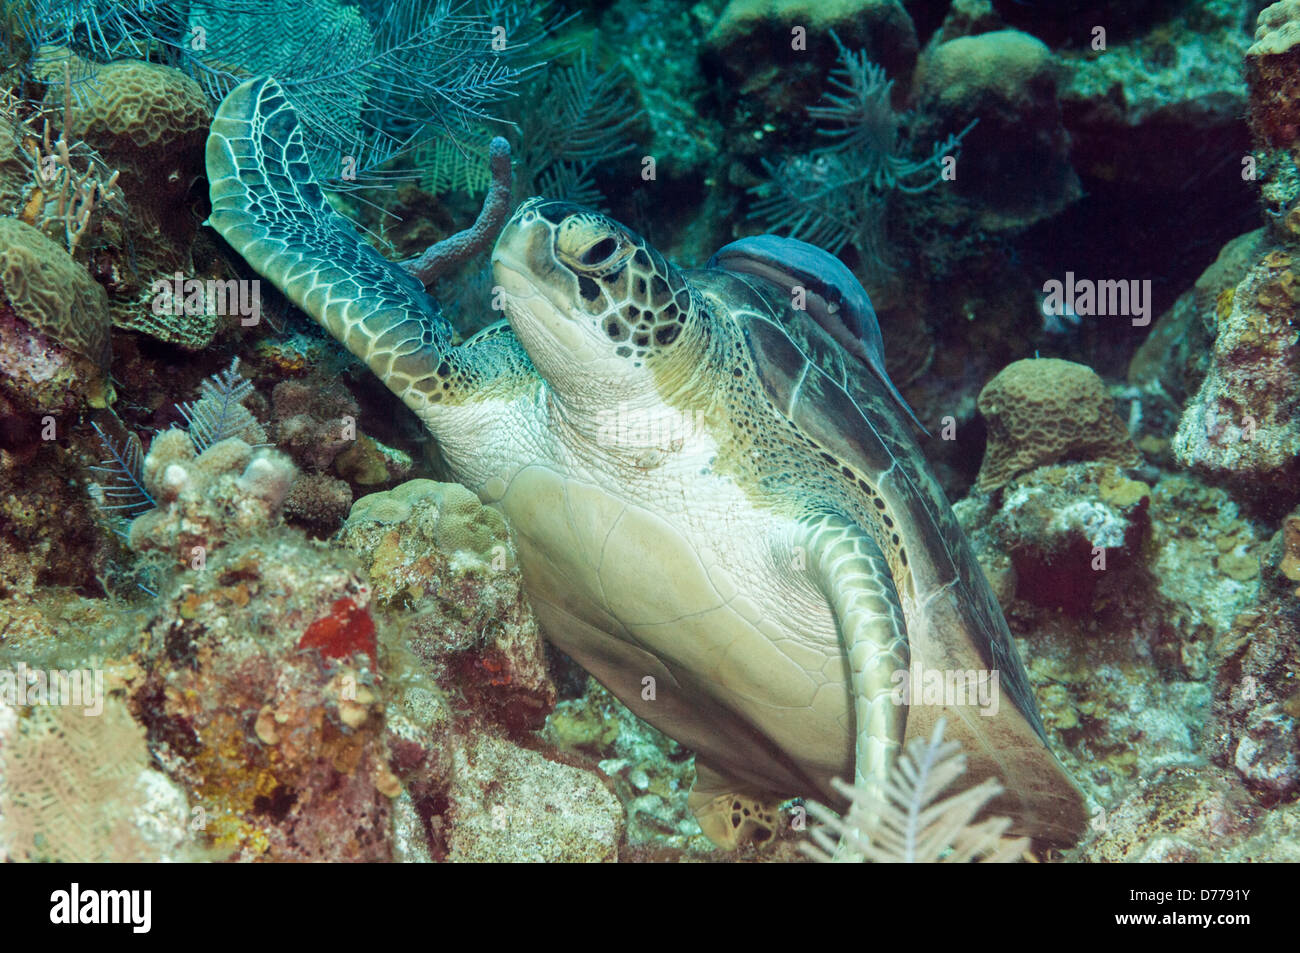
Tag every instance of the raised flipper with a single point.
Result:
(269, 206)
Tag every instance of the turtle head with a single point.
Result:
(597, 308)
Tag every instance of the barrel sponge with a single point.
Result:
(1044, 411)
(55, 297)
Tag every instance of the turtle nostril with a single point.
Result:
(599, 252)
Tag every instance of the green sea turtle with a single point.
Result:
(719, 512)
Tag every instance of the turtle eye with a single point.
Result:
(600, 252)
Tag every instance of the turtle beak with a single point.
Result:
(523, 248)
(524, 268)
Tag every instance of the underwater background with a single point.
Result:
(1078, 223)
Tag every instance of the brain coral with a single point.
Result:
(150, 123)
(140, 108)
(64, 348)
(1044, 411)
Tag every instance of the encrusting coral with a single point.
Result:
(436, 552)
(1042, 411)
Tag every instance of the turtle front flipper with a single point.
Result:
(855, 577)
(268, 205)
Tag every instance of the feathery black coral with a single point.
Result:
(838, 194)
(120, 491)
(907, 825)
(219, 413)
(576, 117)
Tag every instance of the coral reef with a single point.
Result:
(1257, 702)
(318, 502)
(312, 424)
(1007, 81)
(652, 774)
(149, 122)
(1244, 422)
(1272, 67)
(839, 194)
(1122, 596)
(1044, 411)
(49, 534)
(1173, 360)
(278, 738)
(205, 499)
(1161, 107)
(763, 31)
(54, 346)
(1188, 815)
(298, 667)
(436, 552)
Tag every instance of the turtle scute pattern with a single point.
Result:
(625, 287)
(268, 204)
(768, 449)
(837, 448)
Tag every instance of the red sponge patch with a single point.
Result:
(347, 629)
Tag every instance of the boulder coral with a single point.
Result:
(750, 32)
(1273, 73)
(1043, 411)
(1008, 81)
(1272, 63)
